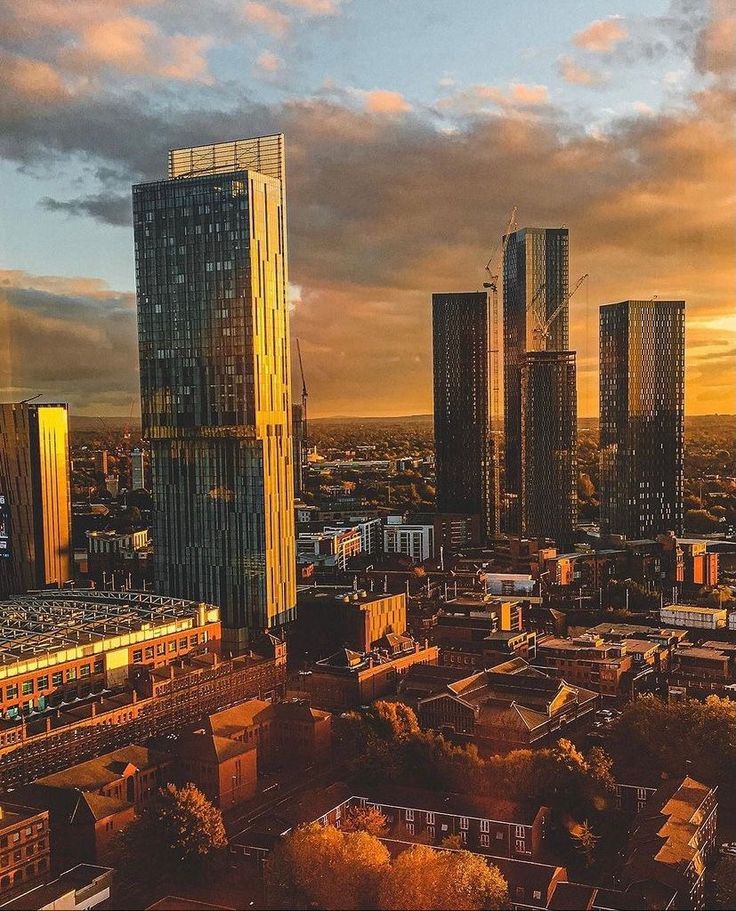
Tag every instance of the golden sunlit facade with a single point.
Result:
(34, 487)
(215, 380)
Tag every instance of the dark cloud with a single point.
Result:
(105, 207)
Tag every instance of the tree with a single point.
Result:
(585, 841)
(179, 831)
(364, 819)
(320, 865)
(424, 878)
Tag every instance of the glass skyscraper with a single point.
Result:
(549, 476)
(35, 502)
(211, 271)
(465, 459)
(535, 282)
(642, 414)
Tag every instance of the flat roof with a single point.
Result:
(694, 609)
(44, 622)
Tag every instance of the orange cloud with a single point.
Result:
(576, 74)
(382, 101)
(269, 62)
(479, 99)
(601, 36)
(136, 46)
(266, 17)
(716, 47)
(316, 7)
(33, 80)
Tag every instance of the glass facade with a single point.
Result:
(211, 275)
(642, 413)
(535, 277)
(34, 482)
(465, 459)
(549, 439)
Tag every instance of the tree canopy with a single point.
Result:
(423, 878)
(179, 830)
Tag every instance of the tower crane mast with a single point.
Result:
(493, 271)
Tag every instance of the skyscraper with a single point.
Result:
(35, 505)
(535, 283)
(466, 466)
(211, 269)
(137, 470)
(642, 414)
(548, 444)
(298, 446)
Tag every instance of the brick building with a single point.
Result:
(24, 848)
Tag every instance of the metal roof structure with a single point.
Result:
(48, 621)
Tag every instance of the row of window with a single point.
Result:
(58, 678)
(160, 648)
(14, 837)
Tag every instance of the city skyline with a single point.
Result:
(613, 121)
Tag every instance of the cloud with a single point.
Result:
(601, 36)
(106, 207)
(32, 81)
(266, 17)
(316, 7)
(382, 101)
(480, 99)
(70, 340)
(716, 44)
(576, 74)
(269, 62)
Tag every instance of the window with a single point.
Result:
(485, 825)
(521, 846)
(172, 645)
(57, 679)
(99, 666)
(430, 819)
(537, 894)
(499, 836)
(485, 839)
(161, 648)
(11, 692)
(519, 832)
(409, 815)
(410, 828)
(464, 822)
(138, 656)
(464, 837)
(27, 687)
(85, 670)
(149, 651)
(183, 643)
(641, 793)
(193, 640)
(71, 674)
(43, 683)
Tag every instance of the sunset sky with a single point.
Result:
(412, 127)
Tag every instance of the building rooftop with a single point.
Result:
(694, 609)
(11, 814)
(83, 877)
(96, 773)
(43, 623)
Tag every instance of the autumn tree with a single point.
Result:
(323, 866)
(424, 878)
(585, 841)
(364, 819)
(179, 831)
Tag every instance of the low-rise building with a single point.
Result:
(508, 706)
(285, 733)
(90, 803)
(225, 770)
(673, 838)
(57, 645)
(329, 549)
(705, 664)
(692, 616)
(348, 678)
(79, 889)
(588, 661)
(24, 848)
(127, 552)
(415, 541)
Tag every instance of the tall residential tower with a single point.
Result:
(642, 395)
(211, 270)
(535, 284)
(466, 464)
(35, 503)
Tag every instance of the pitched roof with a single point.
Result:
(208, 747)
(235, 719)
(96, 773)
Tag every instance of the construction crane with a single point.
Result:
(544, 322)
(493, 270)
(305, 395)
